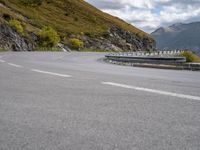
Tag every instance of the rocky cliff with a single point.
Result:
(119, 40)
(12, 40)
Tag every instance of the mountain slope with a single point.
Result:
(179, 36)
(76, 18)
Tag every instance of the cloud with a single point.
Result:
(151, 14)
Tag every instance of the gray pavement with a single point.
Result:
(56, 101)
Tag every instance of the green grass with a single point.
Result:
(190, 57)
(68, 17)
(3, 50)
(48, 49)
(95, 50)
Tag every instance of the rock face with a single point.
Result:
(116, 39)
(120, 40)
(11, 40)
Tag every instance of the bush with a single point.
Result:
(76, 43)
(190, 56)
(15, 24)
(48, 37)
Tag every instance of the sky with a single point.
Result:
(149, 15)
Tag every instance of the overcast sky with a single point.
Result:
(148, 15)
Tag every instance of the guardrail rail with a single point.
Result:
(160, 57)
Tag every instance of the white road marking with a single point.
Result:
(153, 91)
(51, 73)
(15, 65)
(2, 61)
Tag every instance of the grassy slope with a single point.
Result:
(68, 16)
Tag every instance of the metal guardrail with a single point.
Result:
(160, 57)
(141, 53)
(192, 66)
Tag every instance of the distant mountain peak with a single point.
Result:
(163, 30)
(159, 30)
(178, 36)
(176, 24)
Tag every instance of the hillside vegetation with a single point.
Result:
(191, 57)
(67, 17)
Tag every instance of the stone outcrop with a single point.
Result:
(116, 39)
(120, 40)
(11, 40)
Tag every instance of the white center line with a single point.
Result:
(153, 91)
(2, 61)
(51, 73)
(15, 65)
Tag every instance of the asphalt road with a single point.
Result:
(75, 101)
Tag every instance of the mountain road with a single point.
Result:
(76, 101)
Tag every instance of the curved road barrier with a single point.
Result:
(161, 59)
(148, 59)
